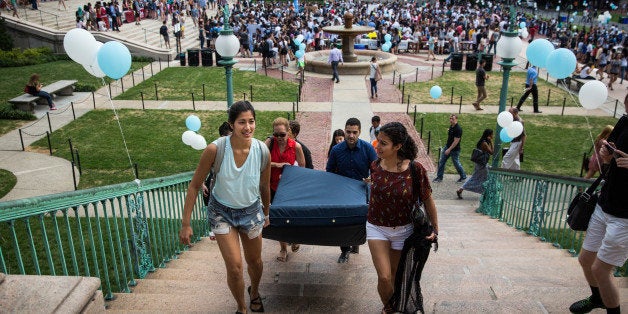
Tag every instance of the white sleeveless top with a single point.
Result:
(239, 187)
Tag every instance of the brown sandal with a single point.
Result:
(283, 256)
(295, 247)
(257, 301)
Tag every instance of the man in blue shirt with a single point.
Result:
(351, 158)
(531, 79)
(335, 57)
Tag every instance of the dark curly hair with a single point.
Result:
(399, 135)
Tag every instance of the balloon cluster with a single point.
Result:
(523, 30)
(190, 137)
(436, 91)
(511, 128)
(559, 63)
(112, 59)
(604, 18)
(387, 45)
(299, 42)
(614, 6)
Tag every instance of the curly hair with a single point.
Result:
(399, 135)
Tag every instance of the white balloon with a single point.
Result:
(198, 142)
(514, 129)
(504, 119)
(80, 45)
(592, 94)
(93, 68)
(188, 137)
(524, 33)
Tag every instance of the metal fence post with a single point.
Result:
(94, 100)
(414, 120)
(142, 94)
(432, 72)
(122, 83)
(451, 100)
(78, 161)
(421, 134)
(403, 91)
(137, 173)
(429, 141)
(549, 92)
(74, 177)
(193, 103)
(71, 148)
(156, 95)
(416, 75)
(143, 76)
(251, 91)
(394, 74)
(49, 144)
(133, 78)
(460, 106)
(615, 112)
(49, 124)
(564, 102)
(73, 113)
(21, 139)
(203, 91)
(151, 69)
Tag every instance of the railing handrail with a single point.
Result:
(26, 207)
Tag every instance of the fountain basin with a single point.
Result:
(316, 61)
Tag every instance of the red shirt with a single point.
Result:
(391, 195)
(289, 155)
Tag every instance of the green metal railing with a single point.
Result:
(537, 204)
(118, 232)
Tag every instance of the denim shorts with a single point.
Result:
(248, 220)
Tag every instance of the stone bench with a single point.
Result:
(27, 102)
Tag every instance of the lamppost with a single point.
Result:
(227, 46)
(508, 48)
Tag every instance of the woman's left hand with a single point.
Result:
(432, 237)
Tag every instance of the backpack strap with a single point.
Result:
(221, 144)
(415, 181)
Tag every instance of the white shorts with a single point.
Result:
(608, 236)
(395, 235)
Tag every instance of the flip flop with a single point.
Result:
(295, 248)
(283, 256)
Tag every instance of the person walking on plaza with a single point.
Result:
(163, 30)
(480, 171)
(239, 203)
(335, 57)
(511, 159)
(451, 149)
(531, 79)
(605, 244)
(480, 80)
(351, 158)
(375, 74)
(389, 219)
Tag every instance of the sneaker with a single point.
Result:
(53, 108)
(344, 257)
(437, 180)
(461, 180)
(585, 306)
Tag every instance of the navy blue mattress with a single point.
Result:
(319, 208)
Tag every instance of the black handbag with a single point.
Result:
(479, 156)
(418, 214)
(582, 206)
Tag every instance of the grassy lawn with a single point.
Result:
(8, 125)
(7, 182)
(152, 136)
(554, 144)
(464, 85)
(178, 83)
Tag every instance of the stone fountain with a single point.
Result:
(356, 62)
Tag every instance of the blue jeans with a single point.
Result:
(334, 67)
(45, 96)
(373, 87)
(455, 158)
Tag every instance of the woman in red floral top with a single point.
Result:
(389, 222)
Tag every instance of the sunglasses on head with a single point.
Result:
(280, 134)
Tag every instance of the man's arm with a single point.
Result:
(331, 162)
(453, 144)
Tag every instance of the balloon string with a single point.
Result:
(586, 118)
(126, 148)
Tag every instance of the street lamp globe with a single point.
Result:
(227, 45)
(509, 47)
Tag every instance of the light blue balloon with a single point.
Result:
(522, 24)
(386, 47)
(193, 123)
(538, 51)
(297, 41)
(387, 38)
(371, 24)
(302, 46)
(299, 54)
(114, 59)
(561, 63)
(504, 136)
(436, 91)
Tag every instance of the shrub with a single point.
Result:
(17, 57)
(79, 87)
(6, 41)
(7, 111)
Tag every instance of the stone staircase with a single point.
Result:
(482, 266)
(146, 34)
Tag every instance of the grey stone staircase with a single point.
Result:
(482, 266)
(146, 34)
